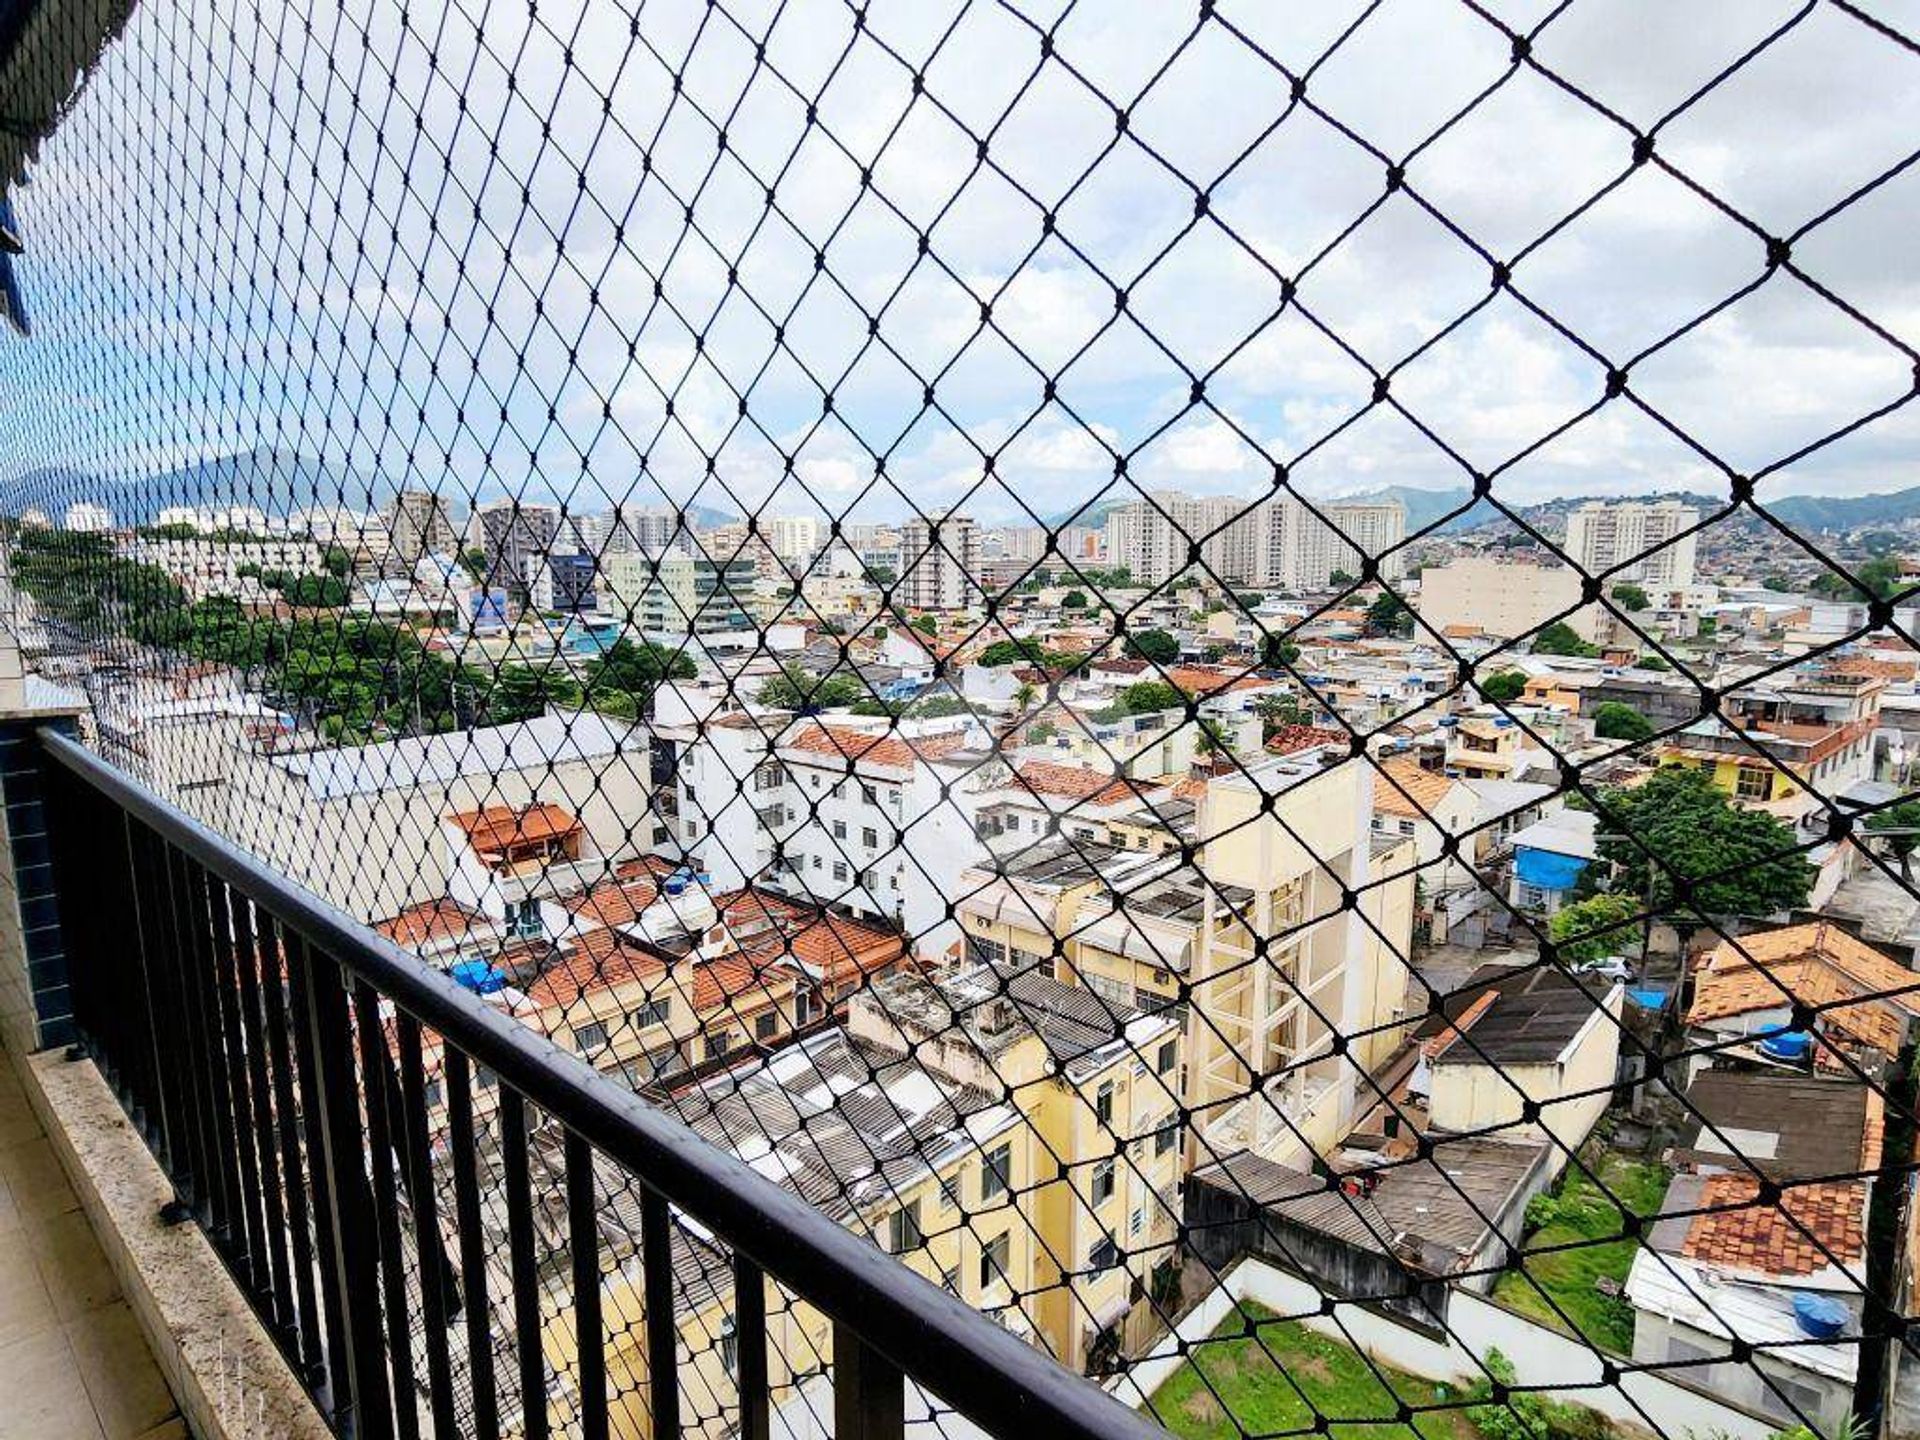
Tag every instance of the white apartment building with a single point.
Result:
(213, 567)
(794, 538)
(941, 559)
(1154, 537)
(1299, 550)
(1651, 542)
(849, 818)
(91, 518)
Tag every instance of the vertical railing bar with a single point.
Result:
(237, 1081)
(148, 936)
(276, 970)
(205, 990)
(663, 1357)
(462, 1137)
(435, 1279)
(202, 1187)
(584, 1240)
(869, 1392)
(356, 1359)
(378, 1087)
(522, 1264)
(750, 1348)
(246, 958)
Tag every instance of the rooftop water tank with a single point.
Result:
(1788, 1045)
(1820, 1316)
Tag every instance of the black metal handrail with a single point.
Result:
(182, 949)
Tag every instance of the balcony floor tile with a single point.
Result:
(73, 1363)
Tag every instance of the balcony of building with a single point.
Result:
(251, 1184)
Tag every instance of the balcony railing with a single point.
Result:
(305, 1084)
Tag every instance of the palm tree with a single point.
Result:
(1023, 696)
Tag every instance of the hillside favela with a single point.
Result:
(804, 721)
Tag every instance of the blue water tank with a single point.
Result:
(676, 883)
(1820, 1316)
(478, 976)
(1791, 1046)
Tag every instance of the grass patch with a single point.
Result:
(1581, 1215)
(1280, 1377)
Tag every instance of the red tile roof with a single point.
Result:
(434, 920)
(1075, 782)
(898, 752)
(594, 962)
(500, 827)
(1289, 738)
(1743, 1233)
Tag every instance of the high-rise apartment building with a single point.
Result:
(1650, 542)
(792, 538)
(1154, 537)
(511, 533)
(941, 560)
(1301, 550)
(420, 524)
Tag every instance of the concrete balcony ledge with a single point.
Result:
(114, 1326)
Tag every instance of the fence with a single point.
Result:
(942, 590)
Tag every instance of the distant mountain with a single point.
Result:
(1429, 507)
(1844, 512)
(271, 481)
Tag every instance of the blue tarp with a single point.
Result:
(1546, 869)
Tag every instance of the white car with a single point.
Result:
(1607, 967)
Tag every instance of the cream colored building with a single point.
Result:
(1503, 598)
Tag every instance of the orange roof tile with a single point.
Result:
(898, 752)
(1403, 788)
(1289, 738)
(423, 924)
(1075, 782)
(499, 827)
(1856, 990)
(594, 962)
(1741, 1232)
(619, 900)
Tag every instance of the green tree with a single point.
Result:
(1597, 926)
(1277, 712)
(1780, 584)
(1876, 578)
(1340, 579)
(1277, 652)
(1559, 638)
(1389, 615)
(1632, 598)
(621, 681)
(795, 689)
(1615, 721)
(1074, 600)
(1041, 731)
(1651, 661)
(1155, 645)
(1728, 860)
(1504, 686)
(1023, 696)
(1013, 652)
(1148, 696)
(926, 624)
(881, 575)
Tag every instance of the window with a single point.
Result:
(1103, 1257)
(995, 1257)
(1136, 1220)
(766, 1025)
(523, 919)
(729, 1345)
(1754, 783)
(996, 1175)
(983, 951)
(870, 837)
(840, 870)
(868, 795)
(839, 829)
(654, 1012)
(903, 1229)
(484, 1078)
(816, 862)
(590, 1037)
(1103, 1103)
(1165, 1138)
(1168, 1057)
(719, 1043)
(950, 1194)
(1102, 1188)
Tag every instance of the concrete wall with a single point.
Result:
(1476, 1326)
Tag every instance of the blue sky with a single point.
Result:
(260, 250)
